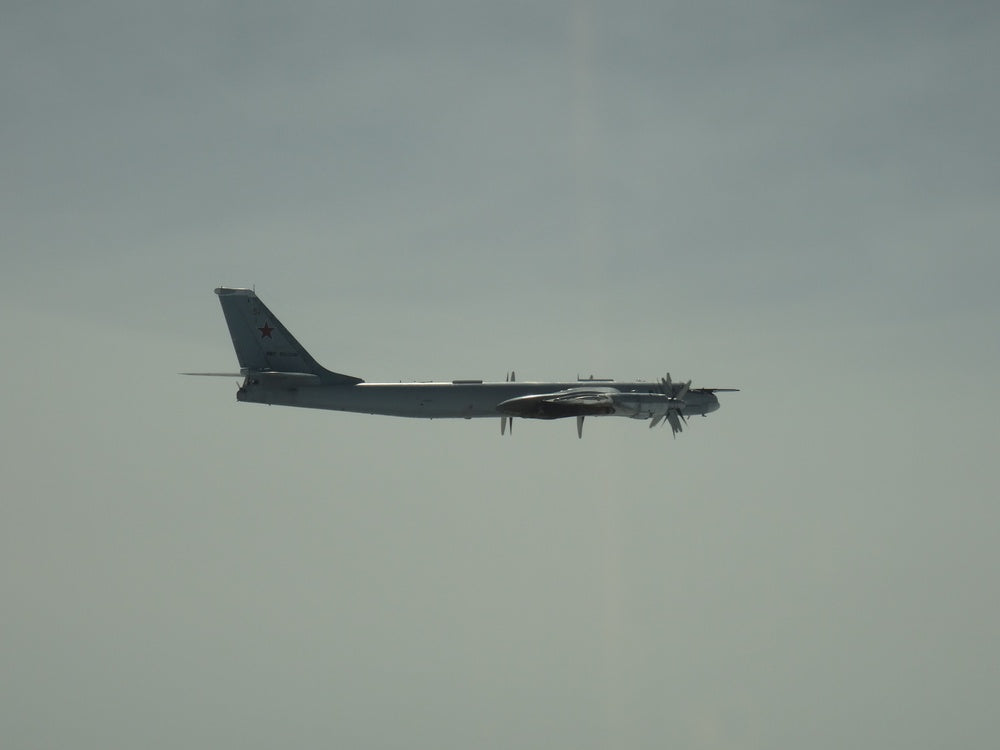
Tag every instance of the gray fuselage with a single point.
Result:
(454, 400)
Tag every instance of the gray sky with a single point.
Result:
(799, 200)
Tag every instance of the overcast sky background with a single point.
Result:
(796, 199)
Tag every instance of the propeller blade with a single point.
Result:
(675, 423)
(579, 427)
(510, 425)
(683, 391)
(503, 426)
(656, 420)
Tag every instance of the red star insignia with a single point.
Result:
(265, 332)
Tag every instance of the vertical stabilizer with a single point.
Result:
(263, 344)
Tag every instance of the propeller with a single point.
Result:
(579, 426)
(675, 403)
(507, 422)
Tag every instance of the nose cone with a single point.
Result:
(712, 405)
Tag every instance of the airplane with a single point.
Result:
(276, 369)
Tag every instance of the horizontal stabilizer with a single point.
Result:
(268, 378)
(285, 379)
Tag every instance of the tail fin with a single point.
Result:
(263, 344)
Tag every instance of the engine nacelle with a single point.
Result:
(536, 407)
(643, 405)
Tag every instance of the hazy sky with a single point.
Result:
(797, 199)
